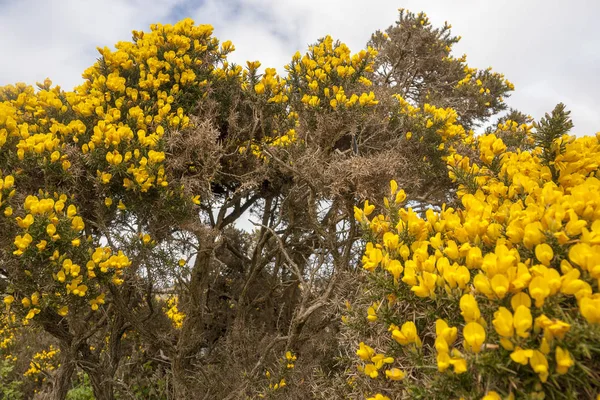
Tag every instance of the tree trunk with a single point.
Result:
(102, 387)
(62, 379)
(192, 335)
(183, 387)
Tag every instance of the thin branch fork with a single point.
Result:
(291, 262)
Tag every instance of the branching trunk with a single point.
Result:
(102, 385)
(192, 331)
(62, 379)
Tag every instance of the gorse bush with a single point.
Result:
(497, 298)
(120, 253)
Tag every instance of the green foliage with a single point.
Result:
(82, 389)
(549, 132)
(10, 388)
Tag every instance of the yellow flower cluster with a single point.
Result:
(44, 361)
(277, 381)
(279, 385)
(7, 191)
(514, 127)
(443, 122)
(7, 326)
(172, 311)
(290, 358)
(113, 127)
(60, 241)
(134, 93)
(119, 116)
(323, 74)
(481, 81)
(271, 85)
(374, 362)
(324, 78)
(519, 260)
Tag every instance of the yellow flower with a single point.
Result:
(500, 285)
(25, 222)
(372, 313)
(368, 208)
(371, 371)
(474, 335)
(426, 286)
(539, 290)
(9, 181)
(395, 268)
(380, 359)
(469, 308)
(77, 224)
(451, 250)
(22, 243)
(523, 321)
(407, 334)
(539, 363)
(564, 361)
(71, 211)
(394, 374)
(474, 258)
(372, 257)
(575, 225)
(400, 197)
(503, 322)
(50, 230)
(590, 309)
(459, 364)
(8, 300)
(483, 285)
(491, 395)
(520, 299)
(443, 360)
(447, 333)
(521, 356)
(393, 186)
(289, 356)
(365, 352)
(105, 177)
(390, 241)
(379, 396)
(544, 253)
(533, 235)
(41, 245)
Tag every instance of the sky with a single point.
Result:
(549, 49)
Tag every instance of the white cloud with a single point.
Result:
(58, 39)
(548, 49)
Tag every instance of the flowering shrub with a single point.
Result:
(79, 168)
(166, 145)
(110, 133)
(496, 297)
